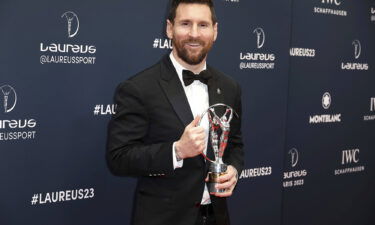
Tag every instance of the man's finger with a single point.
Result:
(195, 122)
(226, 177)
(225, 185)
(198, 130)
(223, 194)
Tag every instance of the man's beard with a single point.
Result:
(185, 55)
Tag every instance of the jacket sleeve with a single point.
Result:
(127, 152)
(234, 154)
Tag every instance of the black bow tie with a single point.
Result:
(189, 77)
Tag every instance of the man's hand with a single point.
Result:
(192, 141)
(227, 181)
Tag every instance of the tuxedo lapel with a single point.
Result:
(174, 91)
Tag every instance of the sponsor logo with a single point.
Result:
(372, 109)
(9, 98)
(66, 53)
(330, 7)
(102, 110)
(349, 157)
(302, 52)
(256, 172)
(293, 157)
(258, 60)
(357, 53)
(12, 129)
(357, 48)
(73, 23)
(261, 37)
(325, 118)
(162, 43)
(326, 100)
(336, 2)
(293, 177)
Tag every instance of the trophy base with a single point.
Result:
(214, 172)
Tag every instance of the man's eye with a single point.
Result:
(203, 25)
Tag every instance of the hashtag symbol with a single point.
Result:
(156, 43)
(34, 199)
(96, 110)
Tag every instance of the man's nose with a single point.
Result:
(194, 32)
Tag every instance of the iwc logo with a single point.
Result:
(326, 100)
(325, 118)
(9, 98)
(370, 117)
(357, 49)
(258, 60)
(73, 23)
(336, 2)
(349, 157)
(332, 10)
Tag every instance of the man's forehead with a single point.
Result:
(196, 11)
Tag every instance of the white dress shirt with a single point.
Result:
(197, 95)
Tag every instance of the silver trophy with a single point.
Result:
(218, 126)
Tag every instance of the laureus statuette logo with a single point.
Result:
(73, 23)
(261, 37)
(357, 48)
(293, 157)
(9, 97)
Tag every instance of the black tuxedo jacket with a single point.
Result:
(152, 113)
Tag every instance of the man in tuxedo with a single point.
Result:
(156, 136)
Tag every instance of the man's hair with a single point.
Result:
(174, 4)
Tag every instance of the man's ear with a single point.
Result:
(169, 29)
(215, 31)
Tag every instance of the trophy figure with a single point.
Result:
(8, 91)
(70, 17)
(6, 96)
(218, 126)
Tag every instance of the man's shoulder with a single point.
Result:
(150, 73)
(146, 78)
(224, 78)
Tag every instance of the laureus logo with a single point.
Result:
(357, 48)
(326, 100)
(261, 37)
(293, 156)
(73, 23)
(9, 98)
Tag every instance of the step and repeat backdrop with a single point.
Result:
(308, 82)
